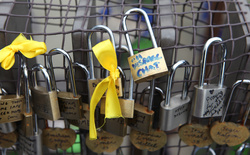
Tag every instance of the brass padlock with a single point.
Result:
(31, 145)
(92, 82)
(127, 105)
(27, 122)
(11, 106)
(45, 102)
(208, 99)
(231, 133)
(115, 126)
(143, 116)
(83, 122)
(149, 64)
(70, 103)
(6, 127)
(174, 110)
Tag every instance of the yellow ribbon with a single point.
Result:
(105, 53)
(29, 48)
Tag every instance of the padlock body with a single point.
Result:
(11, 108)
(45, 103)
(92, 83)
(27, 125)
(127, 107)
(31, 145)
(70, 106)
(115, 126)
(208, 101)
(176, 114)
(148, 65)
(7, 127)
(142, 120)
(82, 123)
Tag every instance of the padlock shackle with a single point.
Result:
(235, 85)
(83, 67)
(123, 80)
(242, 148)
(131, 51)
(26, 88)
(39, 67)
(206, 147)
(131, 81)
(36, 129)
(204, 58)
(170, 81)
(157, 89)
(3, 91)
(69, 60)
(91, 60)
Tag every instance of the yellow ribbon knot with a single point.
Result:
(29, 48)
(105, 53)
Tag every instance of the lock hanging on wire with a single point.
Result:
(208, 99)
(70, 103)
(92, 82)
(143, 116)
(174, 110)
(149, 64)
(83, 122)
(12, 105)
(228, 132)
(45, 101)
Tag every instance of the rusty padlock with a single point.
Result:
(45, 102)
(92, 82)
(208, 99)
(82, 123)
(70, 103)
(6, 127)
(174, 110)
(32, 145)
(27, 122)
(143, 116)
(115, 126)
(149, 64)
(228, 132)
(12, 105)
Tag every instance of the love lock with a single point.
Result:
(149, 64)
(70, 103)
(208, 99)
(228, 132)
(45, 102)
(174, 110)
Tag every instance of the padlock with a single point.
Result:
(27, 122)
(92, 82)
(82, 123)
(45, 102)
(12, 105)
(115, 126)
(174, 110)
(127, 105)
(143, 116)
(228, 132)
(32, 145)
(149, 64)
(59, 138)
(6, 127)
(70, 103)
(208, 99)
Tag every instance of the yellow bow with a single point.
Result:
(105, 53)
(29, 48)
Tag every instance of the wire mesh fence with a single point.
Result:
(181, 29)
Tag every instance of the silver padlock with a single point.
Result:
(174, 110)
(70, 103)
(92, 82)
(208, 99)
(6, 127)
(31, 145)
(45, 101)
